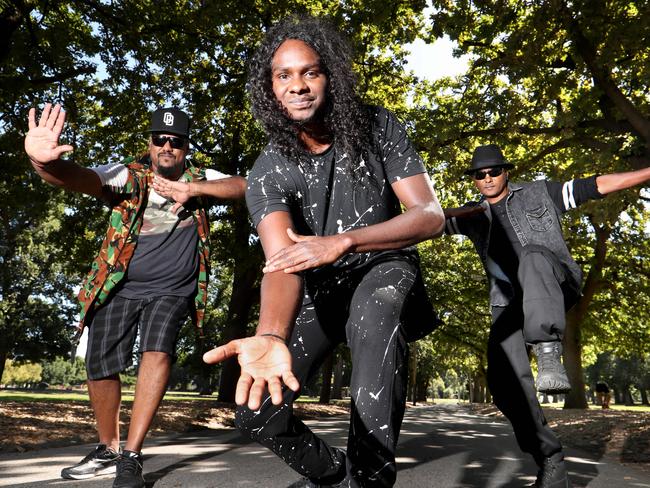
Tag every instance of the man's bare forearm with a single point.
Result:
(231, 188)
(621, 181)
(69, 176)
(280, 299)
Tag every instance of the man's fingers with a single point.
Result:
(275, 389)
(256, 393)
(286, 258)
(221, 353)
(290, 380)
(31, 118)
(54, 115)
(243, 387)
(59, 123)
(45, 114)
(63, 149)
(295, 237)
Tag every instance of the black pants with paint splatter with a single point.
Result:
(362, 308)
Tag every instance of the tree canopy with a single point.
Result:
(561, 86)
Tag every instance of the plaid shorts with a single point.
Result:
(112, 331)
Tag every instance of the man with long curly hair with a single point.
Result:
(325, 197)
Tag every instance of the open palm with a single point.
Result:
(265, 363)
(42, 140)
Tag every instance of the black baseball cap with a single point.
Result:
(170, 120)
(488, 156)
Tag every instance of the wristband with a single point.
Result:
(268, 334)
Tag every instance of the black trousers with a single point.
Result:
(364, 309)
(548, 293)
(537, 315)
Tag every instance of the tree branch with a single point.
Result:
(601, 76)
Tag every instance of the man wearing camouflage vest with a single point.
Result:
(150, 274)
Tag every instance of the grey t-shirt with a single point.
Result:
(323, 199)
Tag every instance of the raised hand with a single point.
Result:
(178, 191)
(307, 252)
(264, 361)
(42, 140)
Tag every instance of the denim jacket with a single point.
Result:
(536, 221)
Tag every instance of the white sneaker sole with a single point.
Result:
(99, 472)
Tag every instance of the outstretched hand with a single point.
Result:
(307, 252)
(264, 361)
(42, 140)
(179, 191)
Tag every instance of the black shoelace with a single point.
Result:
(129, 464)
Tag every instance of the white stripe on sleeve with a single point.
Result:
(567, 195)
(113, 174)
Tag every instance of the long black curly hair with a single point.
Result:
(346, 118)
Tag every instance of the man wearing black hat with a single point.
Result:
(517, 233)
(150, 274)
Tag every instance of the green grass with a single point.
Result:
(627, 408)
(82, 396)
(127, 396)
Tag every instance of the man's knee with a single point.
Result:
(156, 357)
(534, 261)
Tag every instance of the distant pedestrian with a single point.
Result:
(603, 396)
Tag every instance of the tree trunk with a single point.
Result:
(576, 398)
(413, 373)
(618, 398)
(644, 396)
(3, 360)
(248, 263)
(326, 385)
(421, 387)
(573, 364)
(627, 396)
(337, 388)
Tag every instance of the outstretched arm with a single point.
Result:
(423, 219)
(463, 212)
(42, 147)
(620, 181)
(265, 359)
(230, 188)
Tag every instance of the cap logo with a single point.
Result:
(168, 118)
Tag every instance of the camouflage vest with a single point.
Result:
(110, 265)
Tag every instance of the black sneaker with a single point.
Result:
(551, 375)
(100, 461)
(553, 473)
(129, 471)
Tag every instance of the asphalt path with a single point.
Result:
(440, 446)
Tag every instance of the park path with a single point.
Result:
(440, 446)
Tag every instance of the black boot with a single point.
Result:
(551, 375)
(553, 473)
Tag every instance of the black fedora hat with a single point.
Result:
(170, 120)
(488, 156)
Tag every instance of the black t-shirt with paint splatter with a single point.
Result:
(322, 197)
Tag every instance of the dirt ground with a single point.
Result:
(623, 435)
